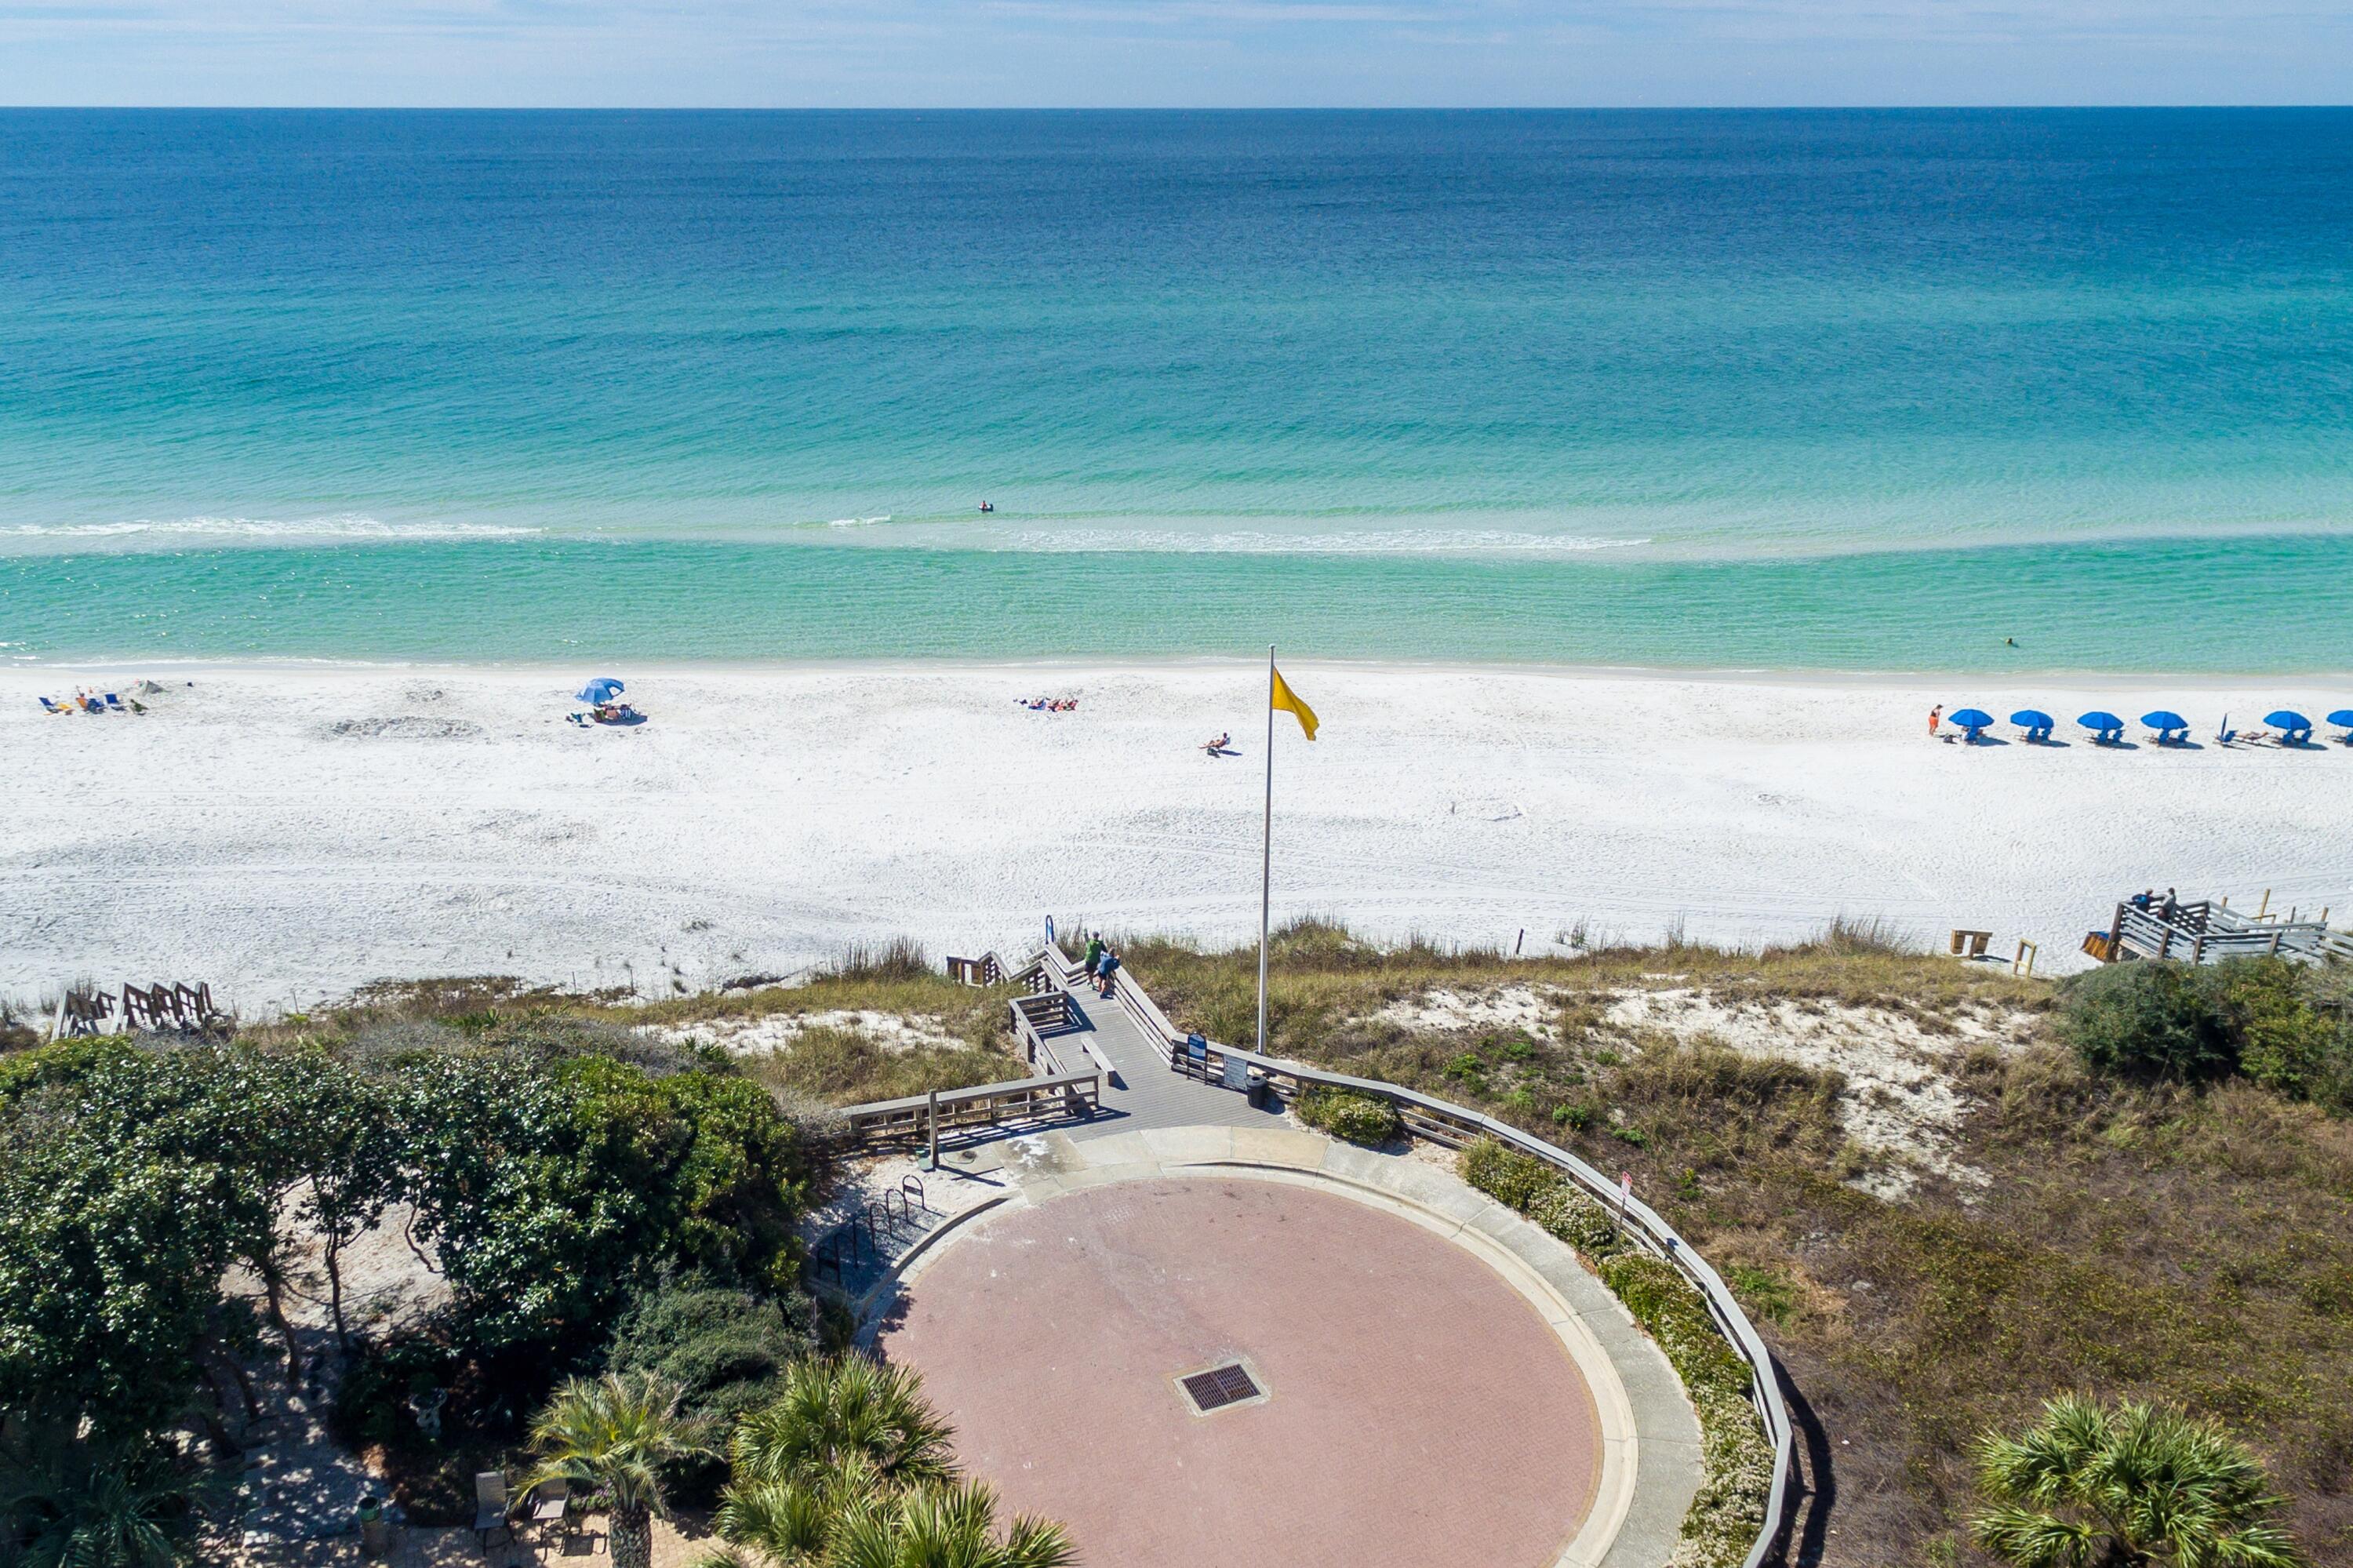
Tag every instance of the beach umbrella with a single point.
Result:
(1971, 718)
(2286, 718)
(2100, 719)
(2342, 716)
(2034, 718)
(603, 689)
(2164, 719)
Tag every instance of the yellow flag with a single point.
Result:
(1287, 701)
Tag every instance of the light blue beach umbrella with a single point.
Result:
(603, 689)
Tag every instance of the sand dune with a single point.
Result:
(284, 832)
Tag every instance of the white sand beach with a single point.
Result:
(285, 833)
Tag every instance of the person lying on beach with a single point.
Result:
(1217, 747)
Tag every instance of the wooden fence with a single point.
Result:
(1049, 1098)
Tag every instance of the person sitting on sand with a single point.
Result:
(1217, 747)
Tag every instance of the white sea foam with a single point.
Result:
(344, 525)
(857, 522)
(1353, 542)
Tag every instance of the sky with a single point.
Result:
(1189, 53)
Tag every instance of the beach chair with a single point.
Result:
(48, 706)
(491, 1509)
(114, 704)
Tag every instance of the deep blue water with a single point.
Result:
(1766, 390)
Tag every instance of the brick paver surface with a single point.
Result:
(1421, 1412)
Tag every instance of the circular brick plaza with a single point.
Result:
(1398, 1400)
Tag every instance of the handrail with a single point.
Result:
(1650, 1229)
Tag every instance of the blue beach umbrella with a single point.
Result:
(603, 689)
(1971, 718)
(2342, 716)
(2034, 718)
(2286, 718)
(2101, 720)
(2164, 719)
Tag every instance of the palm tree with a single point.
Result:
(943, 1525)
(616, 1435)
(95, 1505)
(833, 1412)
(2134, 1486)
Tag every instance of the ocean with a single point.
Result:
(1965, 390)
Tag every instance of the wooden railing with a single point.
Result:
(1049, 1097)
(983, 970)
(1454, 1126)
(2203, 933)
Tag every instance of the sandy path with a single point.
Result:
(269, 830)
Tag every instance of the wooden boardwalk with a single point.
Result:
(1144, 1093)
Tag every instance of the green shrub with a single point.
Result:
(726, 1349)
(2283, 1042)
(1506, 1174)
(2286, 1025)
(1581, 1222)
(1359, 1118)
(2147, 1021)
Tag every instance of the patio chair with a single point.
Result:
(491, 1509)
(545, 1504)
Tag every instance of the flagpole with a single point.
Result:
(1266, 852)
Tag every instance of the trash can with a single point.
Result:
(1260, 1092)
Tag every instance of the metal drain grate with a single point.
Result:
(1218, 1387)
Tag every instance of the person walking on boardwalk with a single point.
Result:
(1094, 950)
(1104, 970)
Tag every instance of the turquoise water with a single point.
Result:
(1769, 390)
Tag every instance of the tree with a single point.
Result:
(944, 1525)
(2134, 1487)
(94, 1504)
(852, 1410)
(616, 1435)
(110, 1264)
(352, 1160)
